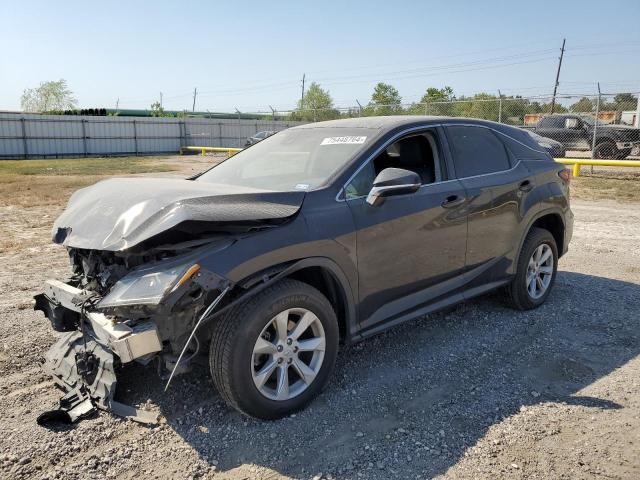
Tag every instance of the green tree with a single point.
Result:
(481, 105)
(537, 107)
(385, 100)
(435, 101)
(48, 96)
(514, 109)
(625, 101)
(583, 105)
(317, 105)
(157, 110)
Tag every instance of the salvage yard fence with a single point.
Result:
(39, 136)
(598, 133)
(600, 127)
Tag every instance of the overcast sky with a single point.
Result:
(249, 55)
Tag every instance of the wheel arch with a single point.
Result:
(321, 273)
(550, 220)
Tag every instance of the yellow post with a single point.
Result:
(576, 169)
(204, 152)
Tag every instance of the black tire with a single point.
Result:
(606, 150)
(234, 336)
(518, 295)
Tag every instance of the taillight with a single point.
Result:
(565, 174)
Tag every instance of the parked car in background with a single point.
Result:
(326, 233)
(555, 149)
(258, 137)
(576, 132)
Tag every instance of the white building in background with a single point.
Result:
(628, 117)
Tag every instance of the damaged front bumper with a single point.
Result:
(82, 361)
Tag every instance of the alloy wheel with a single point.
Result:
(288, 354)
(539, 271)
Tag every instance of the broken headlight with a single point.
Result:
(148, 285)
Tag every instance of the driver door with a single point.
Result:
(412, 246)
(575, 135)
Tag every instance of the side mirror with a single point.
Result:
(390, 182)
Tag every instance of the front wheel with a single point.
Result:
(536, 271)
(273, 354)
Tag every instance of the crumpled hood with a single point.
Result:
(119, 213)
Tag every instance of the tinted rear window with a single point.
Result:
(477, 151)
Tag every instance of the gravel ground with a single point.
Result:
(479, 391)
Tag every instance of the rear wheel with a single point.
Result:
(624, 153)
(606, 150)
(271, 355)
(536, 270)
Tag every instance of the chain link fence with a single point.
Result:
(575, 126)
(603, 126)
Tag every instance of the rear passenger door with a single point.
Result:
(496, 185)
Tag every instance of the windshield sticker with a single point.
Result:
(343, 140)
(302, 186)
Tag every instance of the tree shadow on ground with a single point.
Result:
(428, 389)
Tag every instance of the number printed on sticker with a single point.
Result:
(351, 140)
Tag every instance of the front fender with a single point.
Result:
(322, 235)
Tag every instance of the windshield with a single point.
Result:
(588, 120)
(295, 159)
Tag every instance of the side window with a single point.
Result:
(551, 122)
(361, 183)
(477, 151)
(418, 153)
(572, 123)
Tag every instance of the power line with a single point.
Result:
(459, 67)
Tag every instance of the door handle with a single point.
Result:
(526, 186)
(453, 201)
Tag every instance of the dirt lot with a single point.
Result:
(480, 391)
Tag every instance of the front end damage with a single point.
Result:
(140, 289)
(147, 314)
(94, 345)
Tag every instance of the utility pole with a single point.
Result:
(595, 127)
(117, 104)
(195, 93)
(160, 99)
(273, 113)
(500, 107)
(302, 96)
(555, 87)
(359, 108)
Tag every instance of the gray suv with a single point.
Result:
(319, 236)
